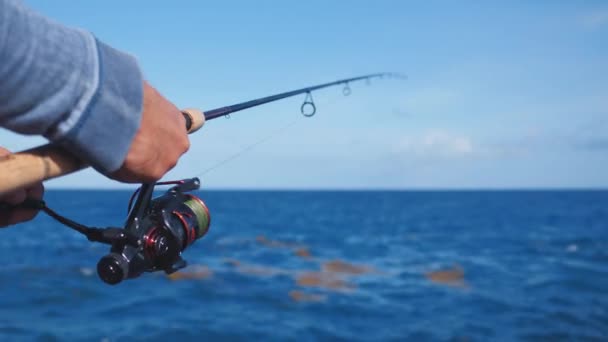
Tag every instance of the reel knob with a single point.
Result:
(112, 269)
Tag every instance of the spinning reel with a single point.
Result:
(157, 231)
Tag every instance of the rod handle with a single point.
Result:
(26, 168)
(195, 119)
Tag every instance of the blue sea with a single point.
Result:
(323, 265)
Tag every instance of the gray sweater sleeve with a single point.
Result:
(64, 84)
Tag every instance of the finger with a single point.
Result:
(36, 191)
(10, 217)
(21, 215)
(13, 197)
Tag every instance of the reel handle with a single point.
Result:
(25, 168)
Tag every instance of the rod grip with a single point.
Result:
(26, 168)
(195, 119)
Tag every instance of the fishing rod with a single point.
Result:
(215, 113)
(157, 230)
(26, 168)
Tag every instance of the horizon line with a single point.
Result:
(400, 189)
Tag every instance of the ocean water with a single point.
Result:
(445, 266)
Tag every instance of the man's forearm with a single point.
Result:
(64, 84)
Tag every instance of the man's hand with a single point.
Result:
(160, 141)
(19, 215)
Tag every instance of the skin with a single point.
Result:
(19, 215)
(160, 141)
(158, 144)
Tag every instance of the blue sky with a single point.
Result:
(499, 95)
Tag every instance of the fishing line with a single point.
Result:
(249, 147)
(307, 109)
(159, 229)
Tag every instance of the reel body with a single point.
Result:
(156, 232)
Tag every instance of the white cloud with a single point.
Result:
(437, 144)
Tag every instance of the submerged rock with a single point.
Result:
(262, 240)
(303, 253)
(300, 296)
(339, 266)
(451, 277)
(192, 272)
(323, 280)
